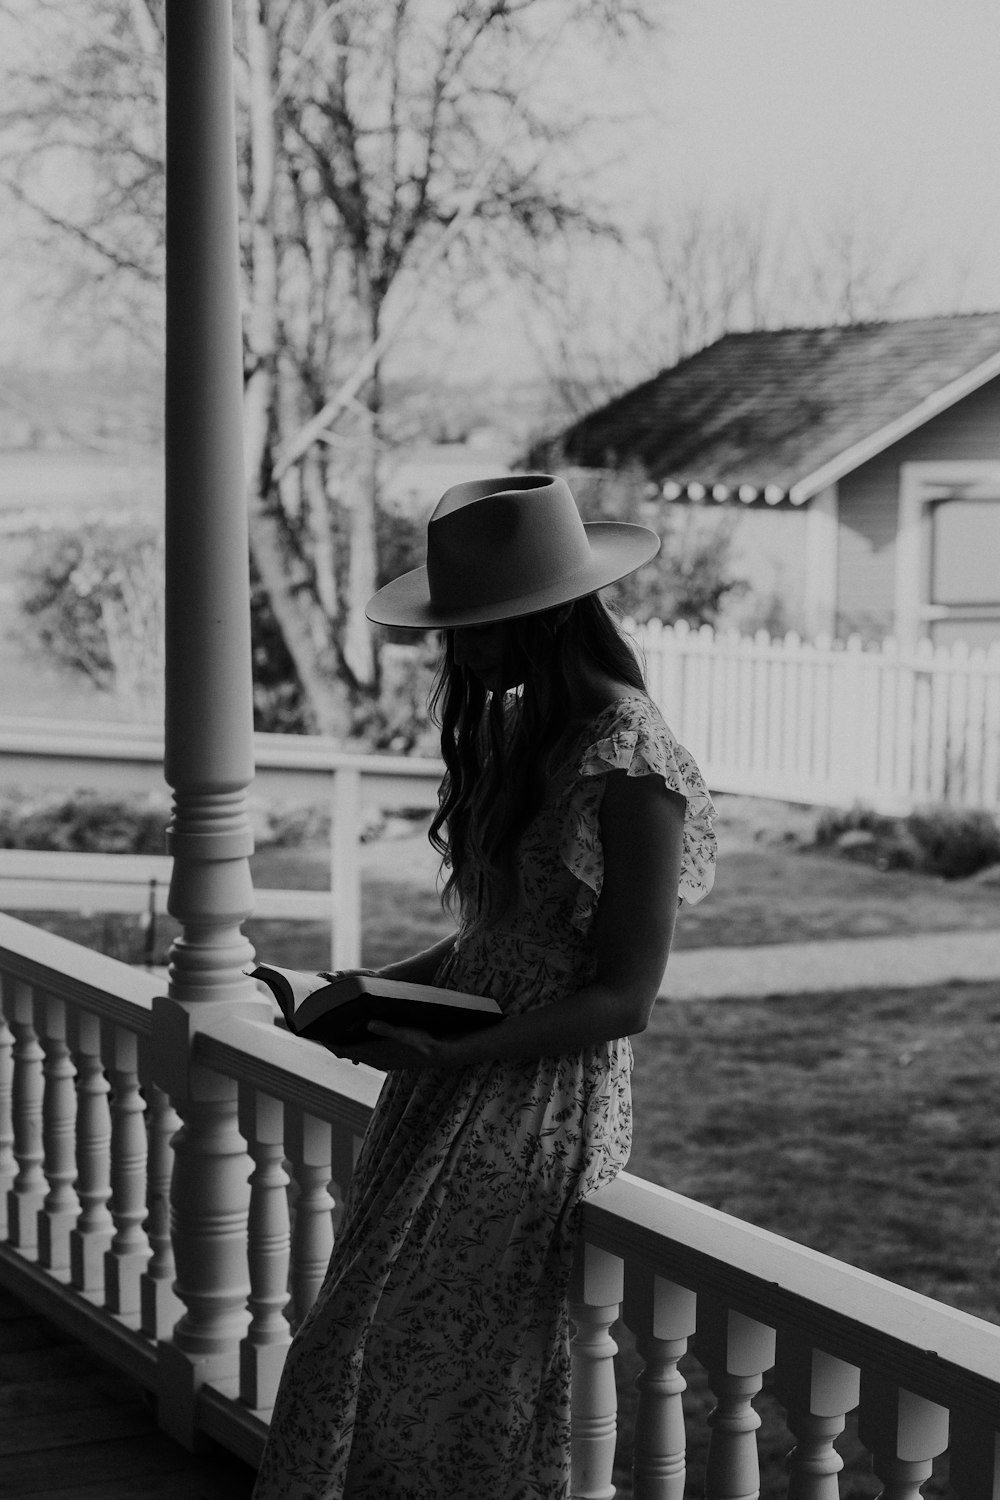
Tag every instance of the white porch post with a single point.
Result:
(209, 725)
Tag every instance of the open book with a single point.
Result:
(336, 1010)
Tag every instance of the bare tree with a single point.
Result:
(612, 317)
(81, 152)
(616, 316)
(386, 147)
(857, 264)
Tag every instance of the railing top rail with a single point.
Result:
(936, 1351)
(319, 752)
(145, 742)
(73, 973)
(290, 1069)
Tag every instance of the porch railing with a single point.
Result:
(87, 1142)
(43, 754)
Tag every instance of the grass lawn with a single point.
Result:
(768, 890)
(764, 895)
(861, 1124)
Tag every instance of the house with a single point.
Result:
(172, 1251)
(864, 460)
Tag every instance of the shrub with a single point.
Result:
(695, 572)
(956, 841)
(953, 842)
(834, 822)
(85, 822)
(92, 598)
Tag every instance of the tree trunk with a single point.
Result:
(358, 642)
(303, 624)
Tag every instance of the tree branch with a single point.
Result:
(467, 207)
(79, 232)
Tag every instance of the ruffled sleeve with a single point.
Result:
(635, 739)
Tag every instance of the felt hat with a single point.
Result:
(498, 549)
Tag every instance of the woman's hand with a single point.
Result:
(397, 1047)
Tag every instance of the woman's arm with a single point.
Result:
(642, 833)
(420, 968)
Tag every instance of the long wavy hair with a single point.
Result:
(498, 747)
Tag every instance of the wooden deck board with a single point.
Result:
(74, 1428)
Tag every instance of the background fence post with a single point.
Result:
(345, 868)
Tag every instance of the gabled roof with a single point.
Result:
(782, 413)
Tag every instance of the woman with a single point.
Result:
(435, 1362)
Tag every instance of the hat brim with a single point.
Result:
(617, 549)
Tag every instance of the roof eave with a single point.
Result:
(859, 453)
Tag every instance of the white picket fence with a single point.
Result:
(832, 722)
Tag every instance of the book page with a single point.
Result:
(301, 984)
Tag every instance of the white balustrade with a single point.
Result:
(160, 1305)
(27, 1195)
(61, 1206)
(262, 1352)
(129, 1250)
(308, 1143)
(737, 1351)
(8, 1166)
(595, 1299)
(669, 1265)
(90, 1237)
(817, 1391)
(661, 1314)
(903, 1432)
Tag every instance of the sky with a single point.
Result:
(819, 113)
(814, 103)
(888, 110)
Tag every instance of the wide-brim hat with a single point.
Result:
(498, 549)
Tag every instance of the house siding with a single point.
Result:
(869, 507)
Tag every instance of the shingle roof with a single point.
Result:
(780, 408)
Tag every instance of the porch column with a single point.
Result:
(209, 723)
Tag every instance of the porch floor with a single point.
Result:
(73, 1428)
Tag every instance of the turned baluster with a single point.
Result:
(159, 1304)
(24, 1202)
(974, 1460)
(61, 1206)
(343, 1159)
(595, 1300)
(8, 1165)
(817, 1391)
(903, 1432)
(736, 1351)
(129, 1250)
(90, 1237)
(661, 1314)
(262, 1352)
(308, 1144)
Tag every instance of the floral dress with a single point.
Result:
(434, 1364)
